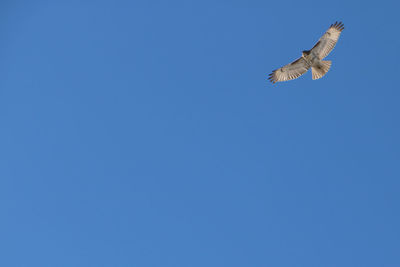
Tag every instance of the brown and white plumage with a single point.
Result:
(290, 71)
(311, 58)
(328, 41)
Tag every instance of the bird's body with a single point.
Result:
(311, 58)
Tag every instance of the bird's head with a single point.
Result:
(305, 53)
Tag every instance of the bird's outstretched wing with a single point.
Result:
(290, 71)
(328, 41)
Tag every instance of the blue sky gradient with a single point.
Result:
(145, 133)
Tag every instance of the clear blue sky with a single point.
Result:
(145, 133)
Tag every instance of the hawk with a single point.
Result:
(311, 58)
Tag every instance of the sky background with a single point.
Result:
(145, 133)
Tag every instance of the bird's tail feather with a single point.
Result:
(321, 69)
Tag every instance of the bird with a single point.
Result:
(311, 58)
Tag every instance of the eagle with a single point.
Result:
(311, 58)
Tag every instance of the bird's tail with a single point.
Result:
(320, 69)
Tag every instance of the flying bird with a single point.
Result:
(311, 58)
